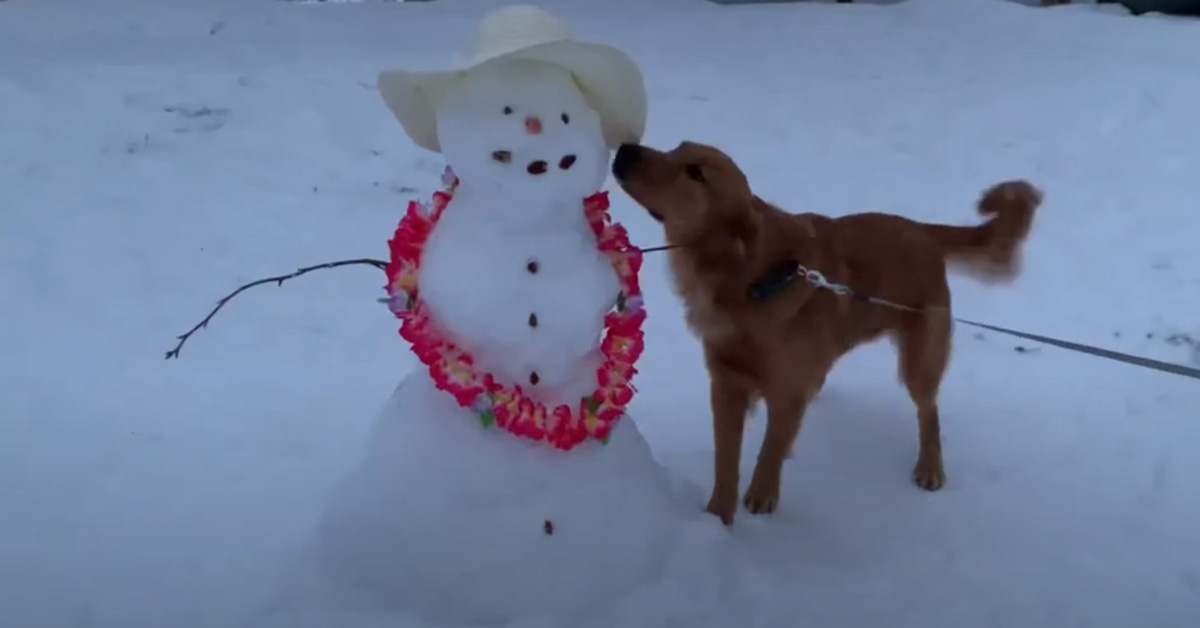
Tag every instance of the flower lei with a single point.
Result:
(453, 369)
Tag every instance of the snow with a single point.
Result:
(155, 155)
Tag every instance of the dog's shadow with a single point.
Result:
(853, 438)
(858, 436)
(849, 478)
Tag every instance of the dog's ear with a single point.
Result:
(730, 251)
(744, 226)
(728, 240)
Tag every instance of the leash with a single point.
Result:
(817, 279)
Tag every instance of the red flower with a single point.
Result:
(602, 432)
(562, 417)
(621, 347)
(620, 396)
(440, 201)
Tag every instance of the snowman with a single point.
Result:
(504, 479)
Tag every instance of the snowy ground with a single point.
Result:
(154, 155)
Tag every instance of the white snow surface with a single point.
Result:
(154, 156)
(505, 222)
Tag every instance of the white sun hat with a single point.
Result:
(610, 81)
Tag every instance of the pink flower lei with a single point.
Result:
(453, 369)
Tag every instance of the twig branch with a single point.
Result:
(174, 353)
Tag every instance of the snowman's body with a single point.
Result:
(529, 305)
(459, 522)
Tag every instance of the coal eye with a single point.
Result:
(566, 119)
(694, 173)
(507, 110)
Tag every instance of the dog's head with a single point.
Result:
(688, 189)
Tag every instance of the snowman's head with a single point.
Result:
(523, 129)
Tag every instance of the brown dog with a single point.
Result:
(738, 264)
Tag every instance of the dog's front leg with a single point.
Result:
(785, 414)
(730, 402)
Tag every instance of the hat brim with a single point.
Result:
(610, 81)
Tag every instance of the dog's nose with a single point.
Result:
(533, 125)
(628, 156)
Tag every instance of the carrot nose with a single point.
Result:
(533, 125)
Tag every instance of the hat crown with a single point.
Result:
(513, 28)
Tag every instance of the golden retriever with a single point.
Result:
(738, 264)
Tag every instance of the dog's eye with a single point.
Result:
(694, 173)
(566, 119)
(507, 111)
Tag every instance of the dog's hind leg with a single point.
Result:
(924, 345)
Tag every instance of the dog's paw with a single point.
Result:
(762, 497)
(929, 474)
(724, 506)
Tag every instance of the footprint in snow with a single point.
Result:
(198, 119)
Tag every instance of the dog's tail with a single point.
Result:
(992, 251)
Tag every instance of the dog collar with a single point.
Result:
(779, 279)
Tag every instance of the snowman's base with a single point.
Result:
(459, 523)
